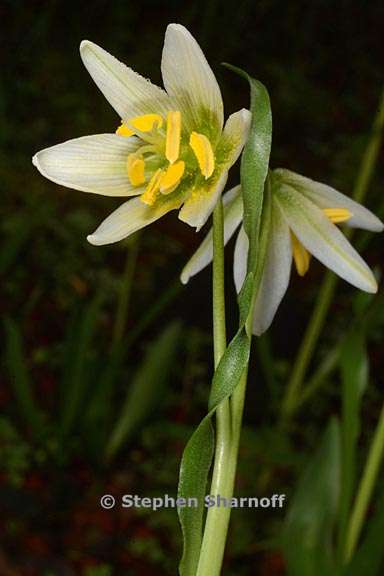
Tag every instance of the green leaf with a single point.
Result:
(230, 369)
(197, 457)
(369, 558)
(308, 528)
(147, 387)
(19, 376)
(354, 372)
(76, 373)
(255, 159)
(98, 414)
(194, 468)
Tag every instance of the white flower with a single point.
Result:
(303, 218)
(171, 150)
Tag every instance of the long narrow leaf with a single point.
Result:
(255, 160)
(369, 558)
(75, 384)
(147, 387)
(19, 376)
(307, 534)
(98, 412)
(225, 379)
(354, 372)
(197, 457)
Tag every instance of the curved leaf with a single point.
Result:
(255, 160)
(197, 457)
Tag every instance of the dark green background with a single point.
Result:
(322, 63)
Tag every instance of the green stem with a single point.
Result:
(367, 484)
(228, 429)
(215, 532)
(316, 322)
(125, 290)
(218, 288)
(229, 413)
(216, 526)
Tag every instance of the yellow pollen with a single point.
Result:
(337, 215)
(144, 123)
(202, 149)
(152, 189)
(171, 178)
(135, 169)
(301, 256)
(172, 145)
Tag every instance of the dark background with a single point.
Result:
(322, 63)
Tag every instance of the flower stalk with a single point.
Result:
(216, 526)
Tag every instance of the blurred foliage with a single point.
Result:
(66, 376)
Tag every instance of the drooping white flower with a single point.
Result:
(304, 214)
(172, 149)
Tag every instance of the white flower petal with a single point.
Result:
(276, 273)
(96, 164)
(127, 219)
(240, 257)
(233, 213)
(323, 239)
(128, 93)
(199, 206)
(189, 79)
(230, 198)
(326, 197)
(234, 136)
(201, 203)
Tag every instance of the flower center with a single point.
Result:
(166, 156)
(301, 256)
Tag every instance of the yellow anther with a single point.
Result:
(171, 178)
(152, 189)
(202, 149)
(135, 169)
(144, 123)
(172, 145)
(337, 215)
(301, 256)
(147, 122)
(123, 130)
